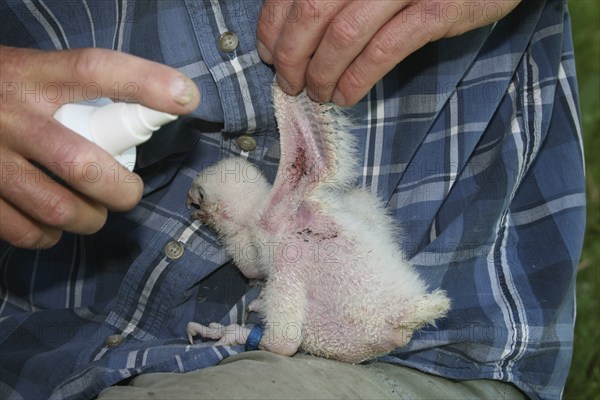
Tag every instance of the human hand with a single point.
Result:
(34, 207)
(339, 49)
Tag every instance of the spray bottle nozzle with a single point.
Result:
(116, 127)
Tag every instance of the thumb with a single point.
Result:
(86, 74)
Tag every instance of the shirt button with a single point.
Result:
(228, 42)
(174, 250)
(246, 142)
(114, 340)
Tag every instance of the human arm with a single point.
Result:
(34, 209)
(340, 49)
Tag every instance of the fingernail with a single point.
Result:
(284, 85)
(264, 53)
(311, 93)
(338, 98)
(181, 90)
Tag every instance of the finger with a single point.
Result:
(155, 85)
(21, 231)
(48, 202)
(299, 38)
(467, 16)
(271, 19)
(344, 40)
(90, 73)
(412, 28)
(401, 36)
(82, 165)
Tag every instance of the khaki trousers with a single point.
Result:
(263, 375)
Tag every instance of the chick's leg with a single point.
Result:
(283, 306)
(226, 335)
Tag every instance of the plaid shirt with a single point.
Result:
(474, 143)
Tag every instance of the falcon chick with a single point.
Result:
(336, 283)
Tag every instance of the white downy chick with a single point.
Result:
(337, 284)
(229, 196)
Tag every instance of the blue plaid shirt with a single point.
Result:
(474, 143)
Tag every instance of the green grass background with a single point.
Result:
(584, 376)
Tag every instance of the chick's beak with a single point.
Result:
(193, 199)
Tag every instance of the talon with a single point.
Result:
(193, 329)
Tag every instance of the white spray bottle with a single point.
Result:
(116, 127)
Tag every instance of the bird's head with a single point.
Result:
(228, 194)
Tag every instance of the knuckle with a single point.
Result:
(34, 239)
(285, 60)
(58, 211)
(306, 10)
(344, 33)
(357, 81)
(76, 155)
(27, 240)
(354, 80)
(87, 63)
(380, 52)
